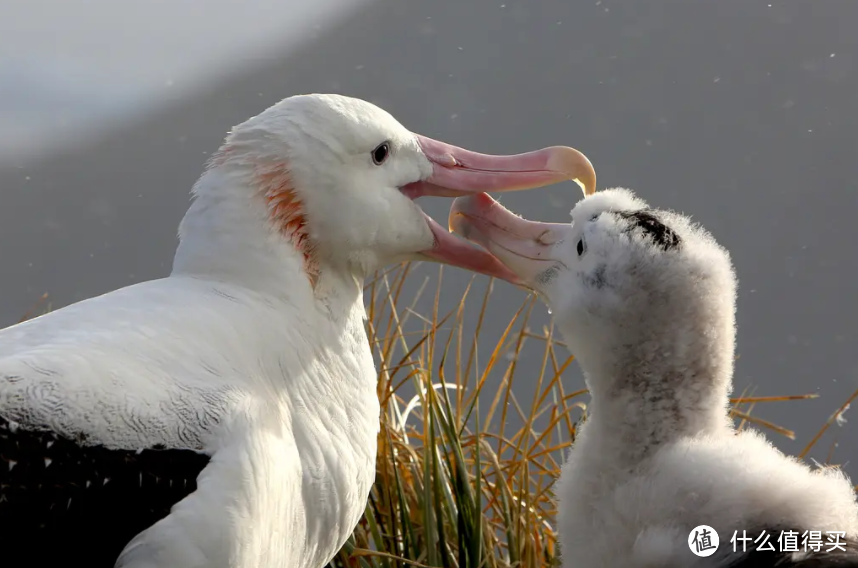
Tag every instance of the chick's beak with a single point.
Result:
(525, 248)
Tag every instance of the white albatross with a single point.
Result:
(646, 302)
(226, 415)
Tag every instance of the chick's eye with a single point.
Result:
(580, 248)
(380, 154)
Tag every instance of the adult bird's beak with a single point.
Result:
(457, 172)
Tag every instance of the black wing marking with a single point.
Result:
(63, 502)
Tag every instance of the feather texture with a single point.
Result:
(282, 399)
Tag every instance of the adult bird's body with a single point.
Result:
(646, 302)
(227, 415)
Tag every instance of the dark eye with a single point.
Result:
(580, 248)
(380, 154)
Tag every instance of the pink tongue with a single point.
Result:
(457, 252)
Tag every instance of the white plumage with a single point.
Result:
(646, 302)
(248, 363)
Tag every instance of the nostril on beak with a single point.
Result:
(547, 238)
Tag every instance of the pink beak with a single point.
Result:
(457, 172)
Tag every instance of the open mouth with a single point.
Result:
(467, 175)
(524, 248)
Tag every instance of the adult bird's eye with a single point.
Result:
(580, 247)
(379, 155)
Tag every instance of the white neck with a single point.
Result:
(227, 236)
(631, 431)
(647, 395)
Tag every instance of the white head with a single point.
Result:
(333, 180)
(645, 299)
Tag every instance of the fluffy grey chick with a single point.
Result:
(646, 302)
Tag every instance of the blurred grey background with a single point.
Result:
(739, 112)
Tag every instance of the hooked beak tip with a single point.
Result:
(575, 165)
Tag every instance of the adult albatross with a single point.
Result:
(646, 302)
(226, 415)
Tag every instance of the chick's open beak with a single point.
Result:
(525, 248)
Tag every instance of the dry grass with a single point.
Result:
(456, 486)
